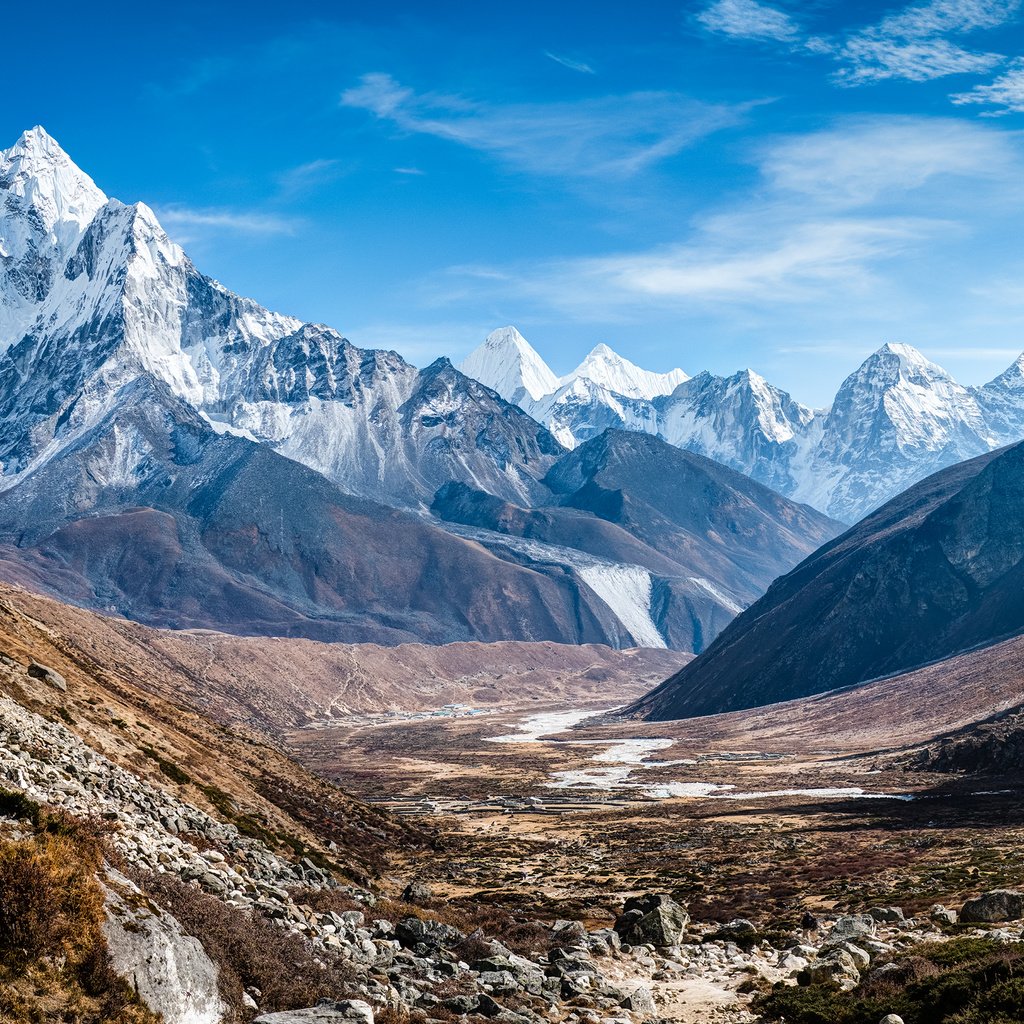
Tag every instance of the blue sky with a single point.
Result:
(713, 184)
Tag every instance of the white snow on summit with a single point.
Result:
(46, 204)
(507, 363)
(606, 367)
(93, 293)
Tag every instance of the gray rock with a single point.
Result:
(461, 1004)
(855, 926)
(354, 1010)
(568, 933)
(639, 1000)
(891, 1018)
(50, 676)
(608, 935)
(412, 932)
(861, 957)
(499, 982)
(654, 919)
(837, 967)
(887, 915)
(740, 928)
(168, 969)
(997, 905)
(417, 891)
(941, 915)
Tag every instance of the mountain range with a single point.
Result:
(178, 454)
(894, 421)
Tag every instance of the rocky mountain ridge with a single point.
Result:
(894, 421)
(934, 572)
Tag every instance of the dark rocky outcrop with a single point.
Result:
(938, 570)
(653, 919)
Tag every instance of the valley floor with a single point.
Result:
(515, 788)
(563, 812)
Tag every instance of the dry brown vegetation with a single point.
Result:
(54, 963)
(251, 951)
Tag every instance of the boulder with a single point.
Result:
(891, 1018)
(412, 932)
(855, 926)
(941, 915)
(568, 933)
(640, 1000)
(417, 891)
(837, 967)
(652, 919)
(50, 676)
(355, 1011)
(861, 957)
(737, 930)
(887, 915)
(168, 969)
(997, 905)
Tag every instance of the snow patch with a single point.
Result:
(626, 589)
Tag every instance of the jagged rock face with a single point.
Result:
(583, 409)
(46, 203)
(894, 421)
(672, 542)
(151, 514)
(690, 508)
(936, 571)
(94, 293)
(742, 422)
(178, 454)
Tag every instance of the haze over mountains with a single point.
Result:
(895, 420)
(181, 455)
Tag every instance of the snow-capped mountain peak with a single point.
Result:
(1011, 379)
(606, 367)
(507, 363)
(36, 171)
(46, 205)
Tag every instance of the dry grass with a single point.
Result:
(54, 963)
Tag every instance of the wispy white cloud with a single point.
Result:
(820, 232)
(863, 160)
(870, 57)
(914, 43)
(568, 62)
(615, 136)
(918, 43)
(186, 221)
(1005, 94)
(307, 176)
(413, 171)
(751, 258)
(748, 19)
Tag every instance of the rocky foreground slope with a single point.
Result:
(188, 869)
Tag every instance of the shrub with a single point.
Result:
(49, 903)
(969, 981)
(17, 805)
(251, 951)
